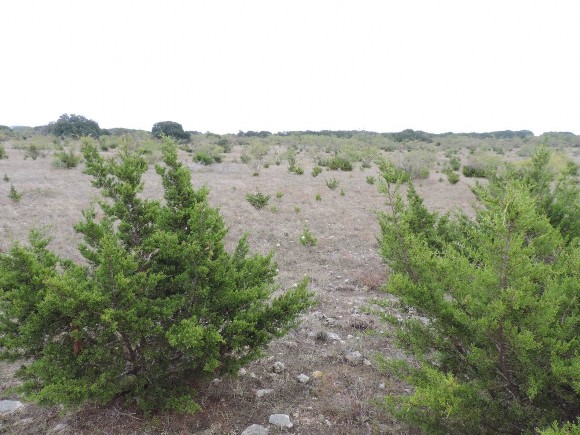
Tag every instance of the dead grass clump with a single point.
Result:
(372, 280)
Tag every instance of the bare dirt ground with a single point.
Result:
(346, 274)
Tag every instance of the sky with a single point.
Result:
(281, 65)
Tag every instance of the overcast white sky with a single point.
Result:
(229, 65)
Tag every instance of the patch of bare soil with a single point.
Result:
(346, 273)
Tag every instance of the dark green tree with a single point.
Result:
(170, 129)
(159, 307)
(494, 337)
(75, 126)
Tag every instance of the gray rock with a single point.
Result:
(280, 420)
(354, 358)
(278, 367)
(7, 406)
(302, 378)
(255, 429)
(263, 392)
(333, 336)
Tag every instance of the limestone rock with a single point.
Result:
(354, 358)
(255, 429)
(7, 406)
(302, 378)
(278, 367)
(280, 420)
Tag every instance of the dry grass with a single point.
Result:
(345, 268)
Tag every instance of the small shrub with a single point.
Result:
(473, 171)
(368, 155)
(14, 195)
(225, 144)
(3, 154)
(206, 158)
(452, 177)
(32, 151)
(274, 209)
(245, 159)
(392, 174)
(342, 192)
(6, 178)
(258, 200)
(279, 195)
(417, 163)
(318, 197)
(339, 162)
(455, 163)
(66, 160)
(332, 183)
(316, 171)
(298, 170)
(291, 157)
(297, 209)
(371, 180)
(307, 238)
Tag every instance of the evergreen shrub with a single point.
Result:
(158, 307)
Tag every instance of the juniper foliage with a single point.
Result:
(159, 307)
(494, 341)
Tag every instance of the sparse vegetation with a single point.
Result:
(66, 160)
(14, 195)
(332, 183)
(339, 163)
(454, 163)
(307, 238)
(258, 199)
(3, 154)
(298, 170)
(32, 151)
(452, 177)
(206, 157)
(316, 171)
(474, 171)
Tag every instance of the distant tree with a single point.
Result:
(169, 128)
(75, 126)
(409, 135)
(250, 133)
